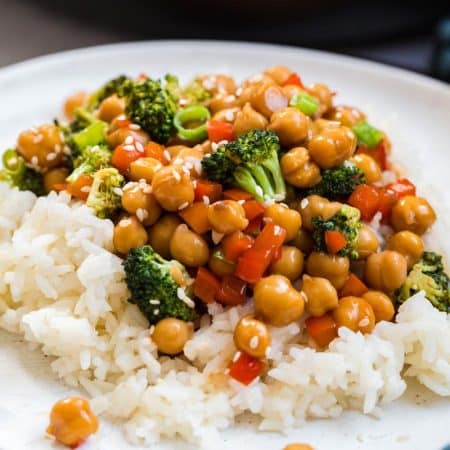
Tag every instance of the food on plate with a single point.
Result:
(191, 253)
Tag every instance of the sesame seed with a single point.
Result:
(205, 199)
(364, 322)
(129, 148)
(194, 183)
(38, 139)
(304, 203)
(183, 101)
(254, 342)
(167, 155)
(177, 161)
(181, 294)
(147, 189)
(57, 148)
(51, 156)
(154, 302)
(267, 352)
(176, 175)
(125, 223)
(61, 136)
(34, 160)
(152, 329)
(267, 219)
(276, 230)
(239, 91)
(118, 191)
(139, 214)
(86, 189)
(183, 206)
(214, 146)
(156, 312)
(229, 116)
(236, 356)
(134, 126)
(241, 202)
(188, 165)
(128, 140)
(216, 237)
(230, 98)
(185, 170)
(139, 146)
(66, 150)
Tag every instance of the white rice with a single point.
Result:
(62, 288)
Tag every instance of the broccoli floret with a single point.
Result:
(337, 183)
(427, 275)
(347, 222)
(89, 161)
(153, 288)
(114, 86)
(17, 174)
(251, 163)
(103, 197)
(152, 106)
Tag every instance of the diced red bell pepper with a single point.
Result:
(220, 131)
(387, 201)
(236, 243)
(237, 194)
(123, 122)
(123, 155)
(335, 241)
(353, 286)
(271, 237)
(294, 80)
(254, 226)
(155, 150)
(232, 291)
(209, 189)
(402, 187)
(253, 209)
(321, 329)
(206, 285)
(80, 187)
(367, 199)
(379, 154)
(246, 368)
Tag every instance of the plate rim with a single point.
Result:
(377, 68)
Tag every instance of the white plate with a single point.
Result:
(413, 109)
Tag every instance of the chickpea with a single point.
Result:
(323, 95)
(367, 242)
(276, 300)
(188, 247)
(77, 100)
(55, 176)
(354, 313)
(320, 295)
(138, 199)
(252, 337)
(110, 108)
(226, 216)
(319, 125)
(116, 135)
(222, 101)
(268, 98)
(72, 421)
(286, 218)
(170, 335)
(303, 241)
(346, 115)
(413, 214)
(173, 188)
(174, 150)
(333, 267)
(160, 234)
(298, 447)
(314, 206)
(191, 159)
(248, 119)
(221, 266)
(332, 146)
(386, 271)
(144, 169)
(218, 83)
(205, 146)
(291, 126)
(369, 166)
(129, 233)
(407, 244)
(381, 304)
(42, 147)
(290, 263)
(279, 74)
(298, 169)
(226, 115)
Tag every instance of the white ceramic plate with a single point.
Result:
(414, 110)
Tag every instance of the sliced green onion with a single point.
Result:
(192, 113)
(367, 134)
(306, 103)
(12, 162)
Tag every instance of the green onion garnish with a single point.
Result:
(306, 103)
(367, 134)
(195, 113)
(12, 162)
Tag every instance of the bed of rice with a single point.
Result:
(62, 288)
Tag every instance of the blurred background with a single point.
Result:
(400, 33)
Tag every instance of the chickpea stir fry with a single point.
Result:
(266, 192)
